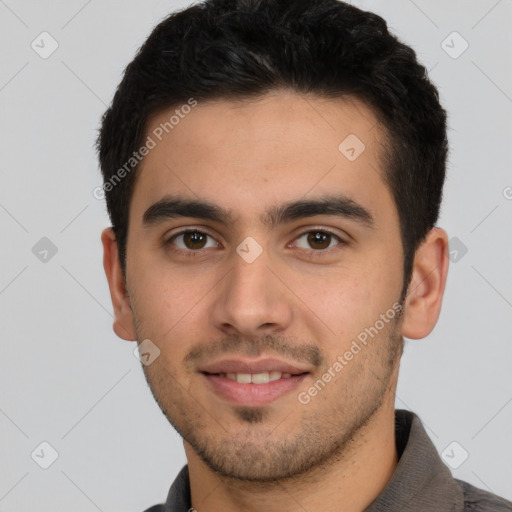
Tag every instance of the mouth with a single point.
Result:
(252, 383)
(255, 378)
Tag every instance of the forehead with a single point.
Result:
(251, 154)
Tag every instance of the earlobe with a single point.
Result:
(426, 289)
(123, 316)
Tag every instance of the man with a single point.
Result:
(273, 172)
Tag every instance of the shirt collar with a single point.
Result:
(421, 480)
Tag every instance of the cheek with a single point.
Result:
(158, 302)
(345, 302)
(170, 302)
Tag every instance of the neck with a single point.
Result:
(350, 483)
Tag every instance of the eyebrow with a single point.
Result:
(340, 206)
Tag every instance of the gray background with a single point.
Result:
(66, 379)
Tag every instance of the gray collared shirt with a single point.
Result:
(420, 483)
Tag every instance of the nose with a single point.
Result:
(252, 300)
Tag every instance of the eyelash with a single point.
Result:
(311, 253)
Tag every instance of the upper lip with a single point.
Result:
(248, 366)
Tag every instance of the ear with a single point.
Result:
(123, 317)
(428, 280)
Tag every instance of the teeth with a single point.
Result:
(260, 378)
(256, 378)
(275, 376)
(243, 378)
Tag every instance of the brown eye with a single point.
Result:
(191, 240)
(194, 239)
(317, 240)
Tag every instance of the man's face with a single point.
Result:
(268, 294)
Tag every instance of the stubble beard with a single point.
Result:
(261, 449)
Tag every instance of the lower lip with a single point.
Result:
(252, 394)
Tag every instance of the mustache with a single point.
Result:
(268, 345)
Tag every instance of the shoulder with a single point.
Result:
(478, 500)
